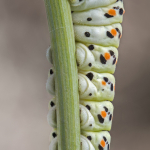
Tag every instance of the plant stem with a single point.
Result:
(66, 76)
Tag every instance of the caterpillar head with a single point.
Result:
(50, 84)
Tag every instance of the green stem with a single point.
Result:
(66, 77)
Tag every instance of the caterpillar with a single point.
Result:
(97, 32)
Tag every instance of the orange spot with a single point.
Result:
(120, 36)
(103, 83)
(107, 56)
(124, 12)
(103, 114)
(116, 61)
(103, 143)
(113, 32)
(112, 12)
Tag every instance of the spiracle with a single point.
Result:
(97, 31)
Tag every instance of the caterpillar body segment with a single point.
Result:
(92, 86)
(91, 57)
(96, 86)
(100, 140)
(88, 141)
(100, 16)
(89, 4)
(85, 143)
(50, 84)
(94, 116)
(102, 112)
(102, 35)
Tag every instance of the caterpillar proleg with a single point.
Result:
(97, 33)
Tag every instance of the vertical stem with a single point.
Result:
(66, 78)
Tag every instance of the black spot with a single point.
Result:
(90, 125)
(102, 59)
(52, 104)
(88, 107)
(111, 87)
(108, 113)
(90, 65)
(51, 71)
(111, 52)
(102, 89)
(100, 118)
(80, 0)
(90, 75)
(120, 11)
(105, 79)
(90, 94)
(89, 19)
(118, 32)
(104, 138)
(109, 35)
(100, 147)
(54, 134)
(72, 11)
(91, 47)
(110, 117)
(108, 82)
(108, 16)
(116, 7)
(89, 137)
(108, 147)
(87, 34)
(77, 64)
(106, 109)
(114, 61)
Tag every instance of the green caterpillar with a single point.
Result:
(97, 31)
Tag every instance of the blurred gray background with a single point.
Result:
(24, 38)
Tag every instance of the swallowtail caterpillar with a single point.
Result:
(97, 32)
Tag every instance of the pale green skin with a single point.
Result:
(97, 34)
(98, 15)
(100, 94)
(85, 56)
(98, 91)
(88, 4)
(86, 144)
(88, 118)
